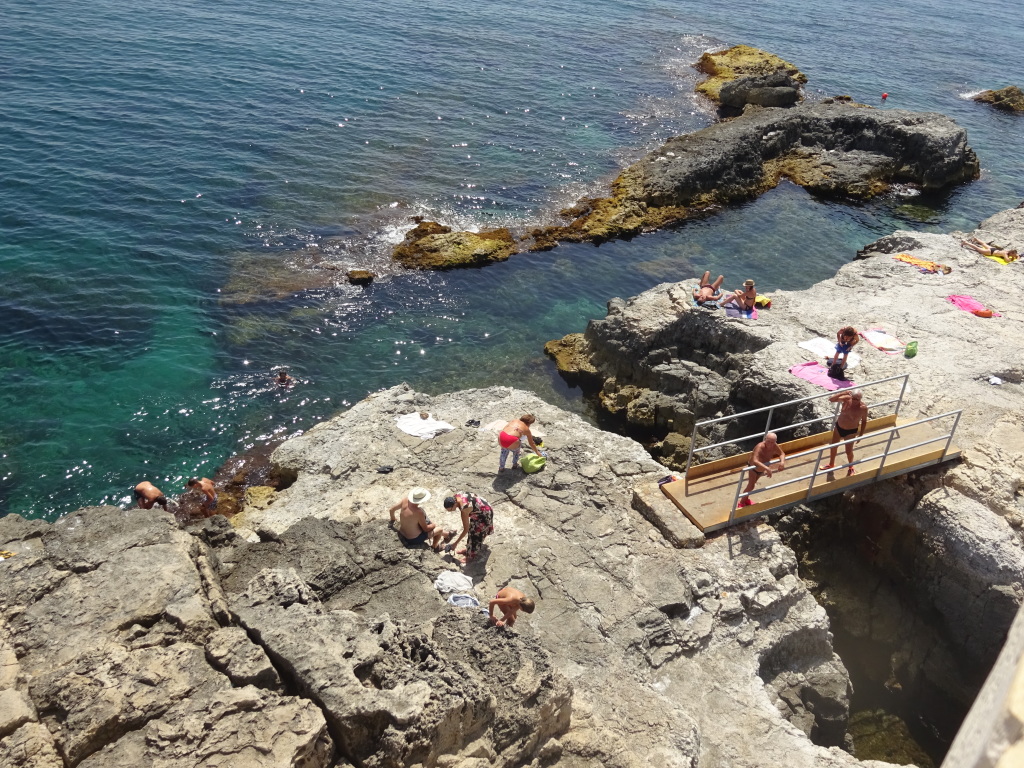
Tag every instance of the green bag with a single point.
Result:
(531, 463)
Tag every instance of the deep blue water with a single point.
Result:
(154, 156)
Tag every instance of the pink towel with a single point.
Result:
(816, 373)
(968, 304)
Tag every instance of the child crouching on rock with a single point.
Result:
(510, 601)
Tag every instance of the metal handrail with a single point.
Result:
(820, 450)
(771, 409)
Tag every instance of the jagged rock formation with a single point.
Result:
(308, 636)
(744, 75)
(834, 149)
(666, 364)
(1009, 99)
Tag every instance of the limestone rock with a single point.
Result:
(955, 532)
(778, 89)
(1010, 98)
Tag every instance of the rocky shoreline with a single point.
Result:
(953, 535)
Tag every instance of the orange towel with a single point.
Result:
(924, 266)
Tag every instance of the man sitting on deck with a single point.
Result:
(764, 452)
(853, 420)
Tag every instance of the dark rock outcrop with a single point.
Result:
(778, 89)
(834, 149)
(742, 62)
(1009, 99)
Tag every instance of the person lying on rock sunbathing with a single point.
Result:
(764, 453)
(708, 291)
(989, 249)
(510, 601)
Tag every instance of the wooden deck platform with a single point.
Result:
(706, 495)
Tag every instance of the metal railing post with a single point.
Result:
(736, 501)
(903, 389)
(814, 474)
(768, 423)
(693, 441)
(885, 453)
(949, 440)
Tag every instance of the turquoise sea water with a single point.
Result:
(152, 155)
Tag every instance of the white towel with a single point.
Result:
(822, 347)
(453, 581)
(414, 424)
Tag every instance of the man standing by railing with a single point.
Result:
(764, 453)
(853, 420)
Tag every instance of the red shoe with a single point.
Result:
(851, 471)
(744, 502)
(826, 467)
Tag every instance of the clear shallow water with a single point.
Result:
(147, 153)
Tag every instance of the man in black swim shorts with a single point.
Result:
(853, 420)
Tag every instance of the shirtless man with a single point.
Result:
(509, 436)
(414, 527)
(708, 291)
(205, 485)
(764, 453)
(147, 494)
(853, 419)
(510, 601)
(283, 379)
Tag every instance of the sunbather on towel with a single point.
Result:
(744, 298)
(989, 249)
(708, 291)
(846, 340)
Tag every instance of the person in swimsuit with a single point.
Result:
(283, 379)
(764, 453)
(414, 527)
(745, 298)
(205, 485)
(147, 494)
(510, 601)
(509, 439)
(852, 420)
(989, 249)
(846, 340)
(477, 522)
(708, 291)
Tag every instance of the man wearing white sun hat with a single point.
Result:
(414, 527)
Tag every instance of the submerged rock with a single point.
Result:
(1010, 98)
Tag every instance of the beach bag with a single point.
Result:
(531, 463)
(763, 302)
(835, 371)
